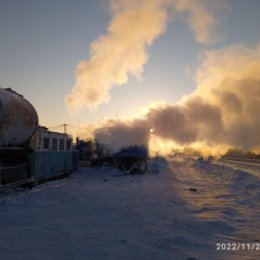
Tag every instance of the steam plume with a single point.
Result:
(135, 25)
(223, 112)
(122, 51)
(119, 134)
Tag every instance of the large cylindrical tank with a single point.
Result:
(18, 119)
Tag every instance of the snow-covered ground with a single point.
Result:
(182, 212)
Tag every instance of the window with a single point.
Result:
(61, 144)
(46, 142)
(68, 144)
(54, 144)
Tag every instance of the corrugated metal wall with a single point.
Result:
(53, 164)
(14, 165)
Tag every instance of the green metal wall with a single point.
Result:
(53, 164)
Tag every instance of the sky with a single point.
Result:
(42, 43)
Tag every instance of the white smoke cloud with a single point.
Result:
(117, 134)
(134, 26)
(225, 107)
(223, 112)
(122, 51)
(199, 18)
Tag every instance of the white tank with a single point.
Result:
(18, 119)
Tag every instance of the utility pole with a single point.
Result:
(65, 128)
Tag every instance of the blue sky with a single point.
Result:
(41, 43)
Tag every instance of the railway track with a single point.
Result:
(246, 161)
(249, 165)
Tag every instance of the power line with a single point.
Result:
(64, 126)
(54, 127)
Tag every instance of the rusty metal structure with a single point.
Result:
(18, 119)
(21, 162)
(18, 123)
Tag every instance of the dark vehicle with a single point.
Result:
(132, 159)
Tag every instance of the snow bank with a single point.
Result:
(180, 213)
